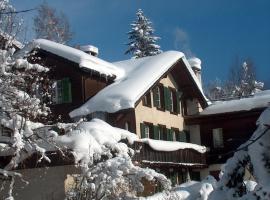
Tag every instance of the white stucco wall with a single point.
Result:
(44, 183)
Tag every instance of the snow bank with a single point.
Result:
(139, 76)
(259, 100)
(83, 59)
(191, 190)
(160, 145)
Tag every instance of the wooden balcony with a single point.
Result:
(180, 158)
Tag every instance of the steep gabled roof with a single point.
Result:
(84, 60)
(139, 75)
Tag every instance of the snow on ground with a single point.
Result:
(160, 145)
(83, 59)
(191, 190)
(259, 100)
(140, 75)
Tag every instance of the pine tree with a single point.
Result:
(142, 40)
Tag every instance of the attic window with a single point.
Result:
(158, 99)
(147, 100)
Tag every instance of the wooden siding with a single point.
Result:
(119, 119)
(181, 157)
(79, 78)
(237, 128)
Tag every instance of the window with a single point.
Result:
(174, 135)
(127, 126)
(5, 131)
(147, 100)
(62, 91)
(169, 135)
(218, 138)
(183, 136)
(157, 97)
(171, 101)
(147, 130)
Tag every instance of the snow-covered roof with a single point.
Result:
(259, 100)
(139, 75)
(195, 62)
(160, 145)
(75, 55)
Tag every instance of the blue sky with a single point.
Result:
(216, 31)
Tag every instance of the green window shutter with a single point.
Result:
(161, 133)
(155, 97)
(187, 136)
(156, 133)
(66, 90)
(142, 130)
(169, 135)
(69, 92)
(59, 85)
(178, 96)
(183, 137)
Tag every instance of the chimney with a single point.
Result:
(195, 64)
(92, 50)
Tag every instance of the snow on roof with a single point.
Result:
(75, 55)
(259, 100)
(139, 76)
(89, 48)
(195, 62)
(161, 145)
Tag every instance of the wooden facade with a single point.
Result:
(181, 158)
(237, 128)
(84, 82)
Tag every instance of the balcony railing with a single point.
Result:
(181, 157)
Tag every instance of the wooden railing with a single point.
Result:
(182, 156)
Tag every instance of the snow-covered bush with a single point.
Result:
(107, 169)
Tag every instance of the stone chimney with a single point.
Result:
(195, 64)
(92, 50)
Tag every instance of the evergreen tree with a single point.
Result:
(142, 40)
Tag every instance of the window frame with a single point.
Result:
(217, 134)
(147, 100)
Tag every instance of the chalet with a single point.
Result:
(148, 96)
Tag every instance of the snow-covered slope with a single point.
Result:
(75, 55)
(259, 100)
